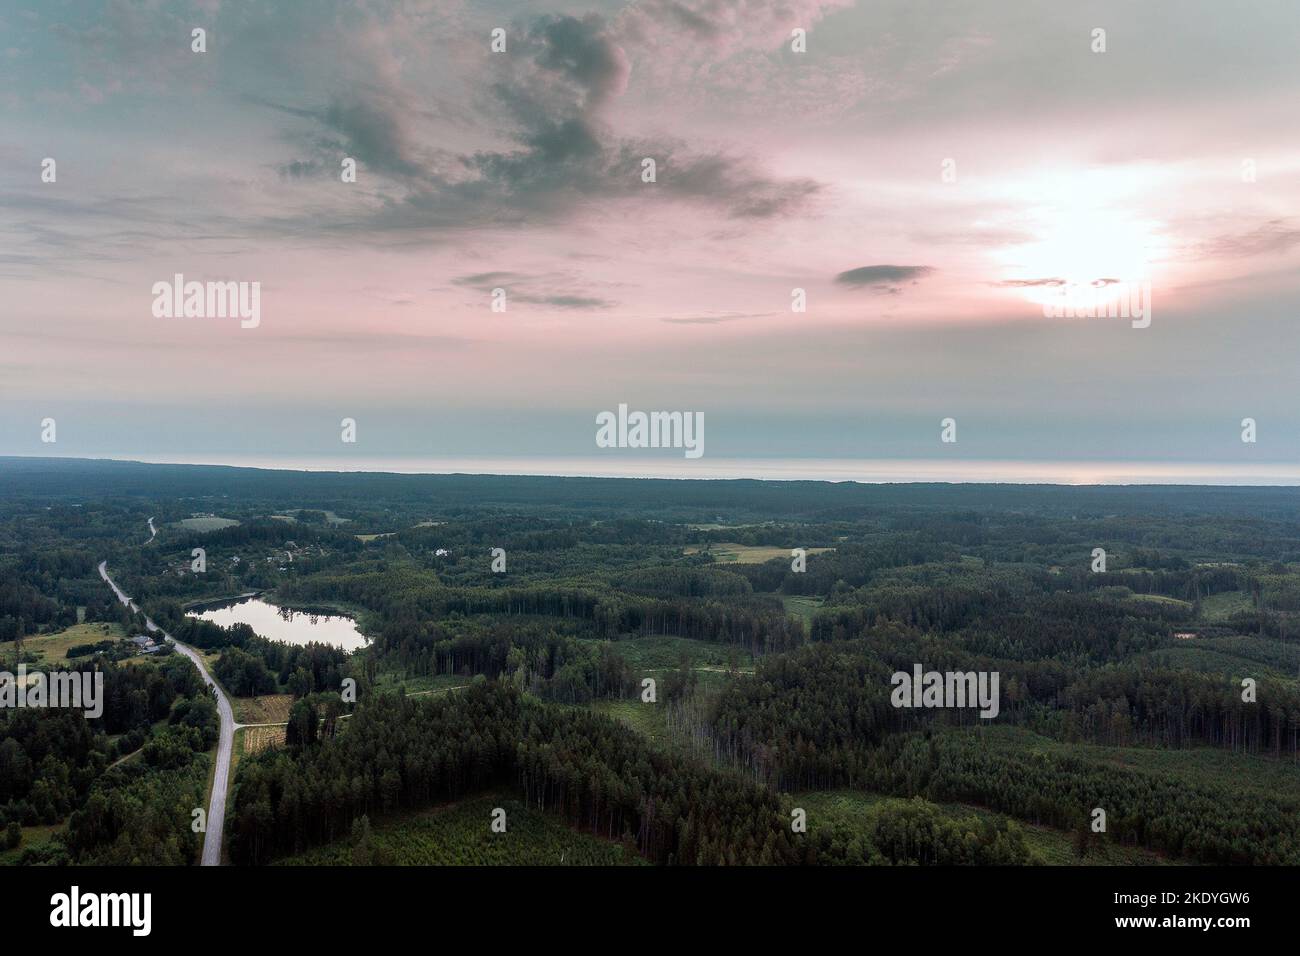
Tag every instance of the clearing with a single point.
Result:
(266, 709)
(52, 649)
(460, 834)
(205, 523)
(729, 551)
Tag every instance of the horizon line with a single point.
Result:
(884, 471)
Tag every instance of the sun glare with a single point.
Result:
(1089, 237)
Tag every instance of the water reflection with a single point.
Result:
(285, 624)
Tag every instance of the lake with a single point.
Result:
(285, 624)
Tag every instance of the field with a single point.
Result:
(801, 607)
(1221, 607)
(420, 683)
(292, 515)
(52, 649)
(665, 652)
(1162, 599)
(257, 739)
(206, 523)
(460, 835)
(746, 553)
(267, 709)
(649, 720)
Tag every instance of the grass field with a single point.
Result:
(267, 709)
(859, 809)
(649, 720)
(1161, 599)
(1221, 607)
(389, 680)
(667, 726)
(461, 835)
(665, 652)
(205, 523)
(801, 607)
(52, 649)
(745, 553)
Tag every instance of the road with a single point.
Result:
(217, 808)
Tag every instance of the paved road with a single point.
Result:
(217, 808)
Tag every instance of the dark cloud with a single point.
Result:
(725, 25)
(486, 280)
(302, 169)
(375, 129)
(557, 290)
(570, 301)
(567, 156)
(886, 279)
(1029, 283)
(1052, 282)
(580, 51)
(555, 87)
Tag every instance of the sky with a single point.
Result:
(930, 175)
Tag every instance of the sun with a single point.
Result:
(1087, 237)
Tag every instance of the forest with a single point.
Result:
(659, 672)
